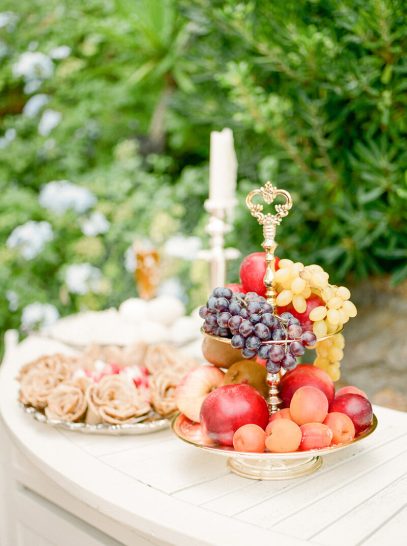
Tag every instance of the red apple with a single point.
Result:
(305, 375)
(252, 271)
(312, 302)
(235, 287)
(228, 408)
(350, 389)
(357, 407)
(194, 388)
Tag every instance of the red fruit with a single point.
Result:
(235, 287)
(312, 302)
(350, 389)
(280, 414)
(343, 429)
(315, 436)
(249, 438)
(305, 375)
(283, 436)
(252, 271)
(228, 408)
(357, 407)
(308, 405)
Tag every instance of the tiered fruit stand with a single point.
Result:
(275, 465)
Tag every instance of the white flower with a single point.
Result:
(8, 19)
(60, 195)
(38, 314)
(13, 300)
(34, 105)
(49, 120)
(130, 261)
(32, 86)
(95, 224)
(33, 65)
(60, 52)
(183, 247)
(8, 137)
(30, 238)
(83, 278)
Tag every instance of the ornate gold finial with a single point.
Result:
(269, 222)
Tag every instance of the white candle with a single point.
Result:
(222, 169)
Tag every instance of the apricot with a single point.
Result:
(283, 436)
(308, 405)
(281, 414)
(343, 429)
(315, 436)
(249, 438)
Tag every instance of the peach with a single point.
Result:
(350, 390)
(249, 438)
(315, 436)
(343, 429)
(194, 388)
(283, 435)
(308, 405)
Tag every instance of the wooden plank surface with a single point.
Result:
(359, 495)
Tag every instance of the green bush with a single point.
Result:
(125, 96)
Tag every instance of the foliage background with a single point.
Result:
(315, 92)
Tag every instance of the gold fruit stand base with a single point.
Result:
(262, 466)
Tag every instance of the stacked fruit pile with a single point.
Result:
(229, 409)
(307, 308)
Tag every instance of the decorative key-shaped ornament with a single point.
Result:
(269, 222)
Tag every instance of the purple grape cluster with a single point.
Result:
(250, 323)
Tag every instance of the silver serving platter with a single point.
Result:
(145, 424)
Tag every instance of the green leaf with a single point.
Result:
(399, 275)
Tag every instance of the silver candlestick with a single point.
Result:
(218, 226)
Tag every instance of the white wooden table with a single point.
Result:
(61, 488)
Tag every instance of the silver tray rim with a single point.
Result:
(140, 426)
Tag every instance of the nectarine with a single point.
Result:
(358, 408)
(315, 436)
(350, 389)
(305, 375)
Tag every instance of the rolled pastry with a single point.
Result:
(114, 400)
(67, 402)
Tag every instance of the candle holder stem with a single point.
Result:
(218, 226)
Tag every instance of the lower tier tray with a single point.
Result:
(262, 466)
